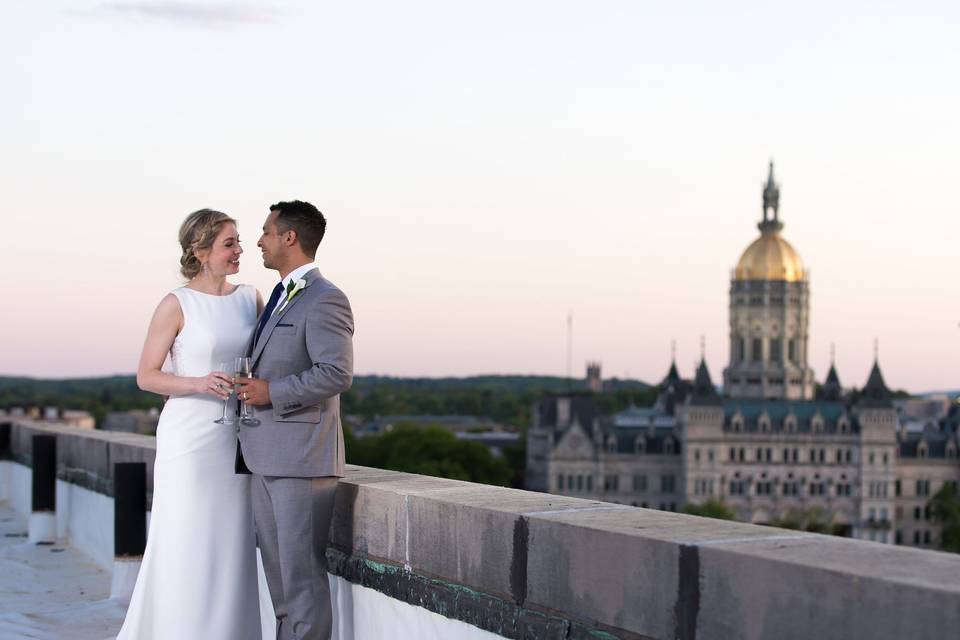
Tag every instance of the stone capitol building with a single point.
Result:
(773, 447)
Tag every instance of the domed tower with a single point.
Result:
(769, 315)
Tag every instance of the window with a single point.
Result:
(823, 455)
(733, 453)
(611, 483)
(871, 457)
(710, 455)
(559, 482)
(926, 537)
(589, 483)
(849, 455)
(757, 351)
(743, 454)
(917, 513)
(923, 488)
(776, 350)
(790, 423)
(792, 350)
(668, 446)
(741, 350)
(579, 483)
(896, 488)
(786, 455)
(640, 483)
(667, 483)
(916, 537)
(759, 454)
(813, 456)
(796, 455)
(696, 455)
(839, 456)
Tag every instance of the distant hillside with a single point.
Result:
(493, 382)
(505, 398)
(99, 396)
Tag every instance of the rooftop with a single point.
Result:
(488, 560)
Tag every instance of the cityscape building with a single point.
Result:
(772, 447)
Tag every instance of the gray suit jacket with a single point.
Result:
(306, 353)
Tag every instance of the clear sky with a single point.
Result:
(485, 167)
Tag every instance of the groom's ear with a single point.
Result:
(290, 237)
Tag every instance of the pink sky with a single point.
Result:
(482, 176)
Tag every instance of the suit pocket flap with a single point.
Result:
(307, 414)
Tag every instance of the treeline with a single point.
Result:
(435, 451)
(99, 396)
(505, 399)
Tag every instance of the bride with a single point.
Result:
(198, 578)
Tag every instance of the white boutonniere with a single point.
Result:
(292, 292)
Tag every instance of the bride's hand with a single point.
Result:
(216, 383)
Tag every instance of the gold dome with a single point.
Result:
(770, 257)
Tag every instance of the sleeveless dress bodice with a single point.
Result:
(198, 578)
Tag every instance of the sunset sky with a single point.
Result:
(486, 167)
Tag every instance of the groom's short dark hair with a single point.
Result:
(305, 219)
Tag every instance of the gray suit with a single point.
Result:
(296, 452)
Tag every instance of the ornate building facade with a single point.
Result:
(770, 447)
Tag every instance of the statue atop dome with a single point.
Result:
(771, 200)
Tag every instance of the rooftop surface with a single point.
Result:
(51, 591)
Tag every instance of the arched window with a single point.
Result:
(736, 422)
(612, 444)
(817, 423)
(790, 423)
(764, 422)
(843, 425)
(640, 444)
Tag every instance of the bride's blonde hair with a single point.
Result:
(197, 233)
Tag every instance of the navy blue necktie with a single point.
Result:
(268, 311)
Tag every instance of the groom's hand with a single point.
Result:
(253, 391)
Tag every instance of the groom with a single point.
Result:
(302, 354)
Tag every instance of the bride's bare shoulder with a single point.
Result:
(169, 306)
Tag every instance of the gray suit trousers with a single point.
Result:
(292, 517)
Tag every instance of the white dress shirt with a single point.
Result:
(294, 275)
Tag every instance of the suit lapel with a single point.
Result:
(310, 277)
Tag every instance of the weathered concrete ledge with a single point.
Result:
(531, 565)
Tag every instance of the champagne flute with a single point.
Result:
(229, 369)
(244, 370)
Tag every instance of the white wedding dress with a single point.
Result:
(198, 579)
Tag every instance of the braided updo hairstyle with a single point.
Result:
(197, 233)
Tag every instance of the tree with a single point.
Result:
(811, 519)
(945, 508)
(711, 508)
(431, 451)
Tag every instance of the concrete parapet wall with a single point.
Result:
(532, 565)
